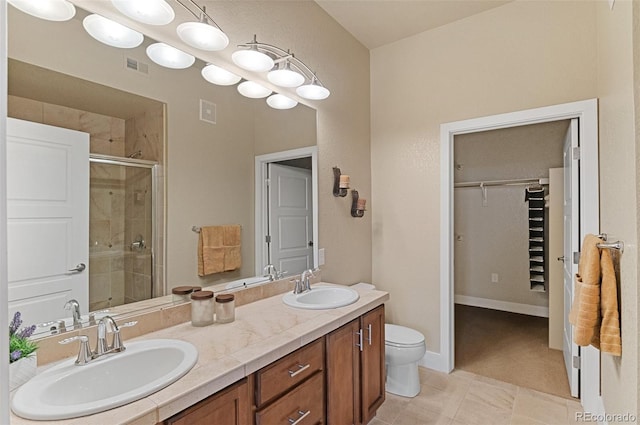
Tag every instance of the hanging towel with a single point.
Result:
(219, 249)
(608, 338)
(595, 297)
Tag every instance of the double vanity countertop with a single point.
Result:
(263, 332)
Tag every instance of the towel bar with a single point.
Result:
(195, 229)
(619, 245)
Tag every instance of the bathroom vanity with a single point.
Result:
(274, 364)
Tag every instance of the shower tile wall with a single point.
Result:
(111, 211)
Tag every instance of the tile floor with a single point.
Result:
(464, 398)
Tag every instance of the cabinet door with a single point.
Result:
(231, 406)
(343, 375)
(373, 363)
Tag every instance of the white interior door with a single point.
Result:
(47, 219)
(290, 218)
(571, 245)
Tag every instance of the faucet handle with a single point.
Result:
(85, 354)
(117, 344)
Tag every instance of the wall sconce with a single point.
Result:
(357, 205)
(340, 183)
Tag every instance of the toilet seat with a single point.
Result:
(402, 337)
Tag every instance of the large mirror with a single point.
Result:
(204, 171)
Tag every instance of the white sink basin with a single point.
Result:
(321, 298)
(69, 391)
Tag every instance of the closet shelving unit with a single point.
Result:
(537, 264)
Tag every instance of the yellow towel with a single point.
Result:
(608, 338)
(219, 249)
(595, 297)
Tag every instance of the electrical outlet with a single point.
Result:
(321, 257)
(494, 278)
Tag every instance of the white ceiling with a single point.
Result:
(378, 22)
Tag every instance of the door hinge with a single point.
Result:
(576, 362)
(576, 153)
(267, 182)
(267, 239)
(576, 257)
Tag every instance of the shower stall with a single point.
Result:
(122, 230)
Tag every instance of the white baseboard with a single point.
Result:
(531, 310)
(433, 361)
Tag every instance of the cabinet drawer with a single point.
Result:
(303, 405)
(282, 375)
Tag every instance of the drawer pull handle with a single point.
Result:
(302, 416)
(301, 368)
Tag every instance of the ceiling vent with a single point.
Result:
(136, 66)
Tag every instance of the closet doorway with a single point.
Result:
(587, 199)
(503, 284)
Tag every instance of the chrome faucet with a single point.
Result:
(305, 279)
(85, 355)
(74, 306)
(304, 283)
(272, 273)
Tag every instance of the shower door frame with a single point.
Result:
(156, 283)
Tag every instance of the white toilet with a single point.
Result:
(403, 348)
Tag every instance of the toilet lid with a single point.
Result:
(395, 334)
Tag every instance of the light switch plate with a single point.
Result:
(321, 257)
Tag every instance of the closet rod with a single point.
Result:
(512, 182)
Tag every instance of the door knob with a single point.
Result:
(79, 268)
(560, 258)
(310, 243)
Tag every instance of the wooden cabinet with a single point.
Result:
(304, 405)
(356, 370)
(372, 368)
(338, 380)
(231, 406)
(282, 375)
(291, 390)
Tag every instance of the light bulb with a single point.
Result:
(51, 10)
(169, 57)
(313, 91)
(152, 12)
(202, 36)
(111, 33)
(285, 77)
(280, 101)
(220, 76)
(253, 90)
(252, 60)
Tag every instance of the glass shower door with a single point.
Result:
(120, 231)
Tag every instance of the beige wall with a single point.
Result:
(514, 57)
(495, 238)
(519, 56)
(618, 193)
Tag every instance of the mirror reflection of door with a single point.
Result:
(47, 219)
(290, 215)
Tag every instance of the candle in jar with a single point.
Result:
(344, 181)
(361, 204)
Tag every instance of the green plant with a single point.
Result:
(19, 343)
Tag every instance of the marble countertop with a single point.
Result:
(263, 332)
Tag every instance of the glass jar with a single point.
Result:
(225, 308)
(182, 293)
(202, 308)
